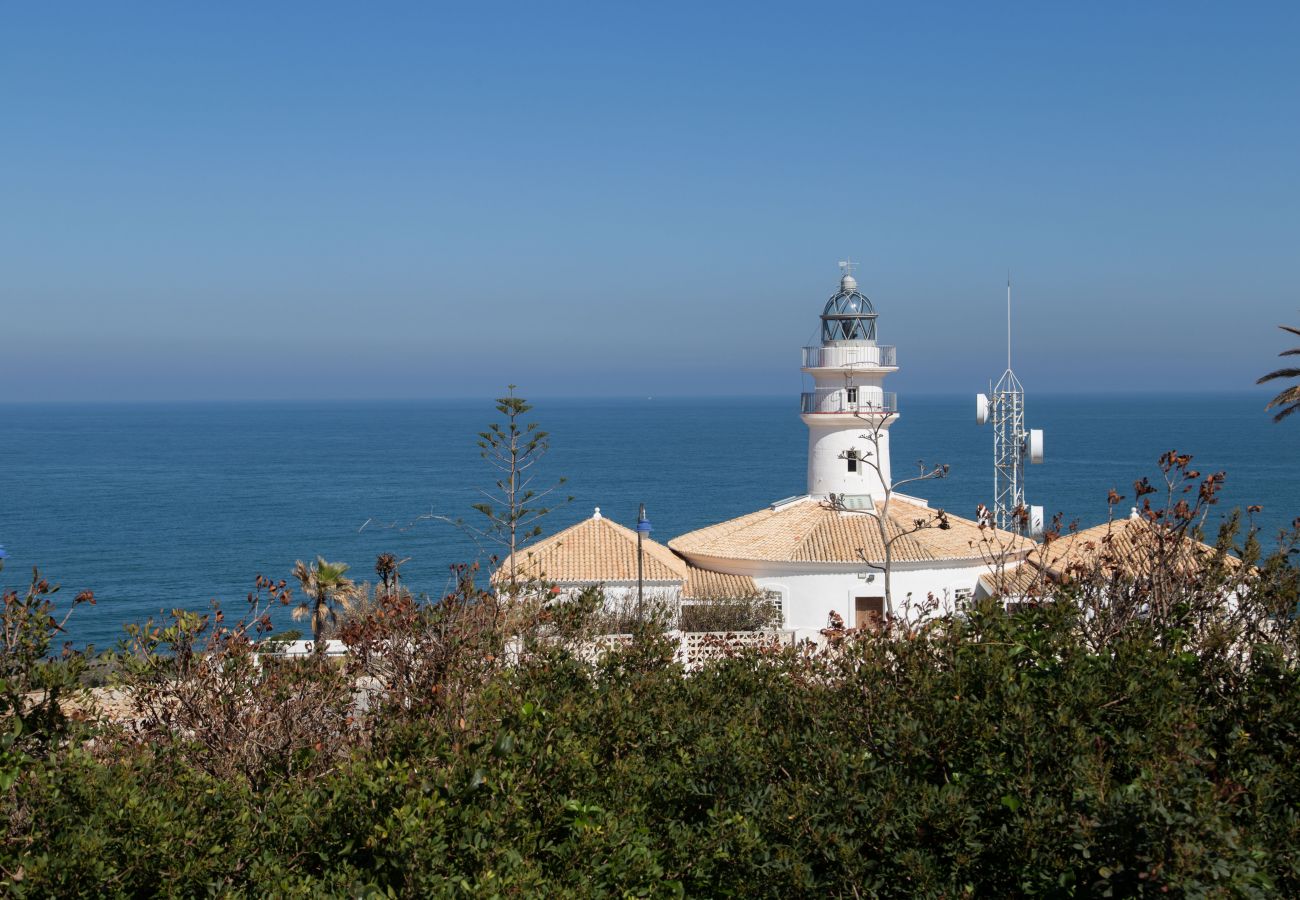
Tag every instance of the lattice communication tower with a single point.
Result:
(1013, 444)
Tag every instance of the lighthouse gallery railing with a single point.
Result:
(849, 356)
(835, 401)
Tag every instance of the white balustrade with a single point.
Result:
(835, 401)
(850, 356)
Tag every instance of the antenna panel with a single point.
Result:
(981, 409)
(1036, 521)
(1035, 445)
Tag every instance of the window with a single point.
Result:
(853, 396)
(852, 457)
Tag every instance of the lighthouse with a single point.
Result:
(848, 412)
(814, 559)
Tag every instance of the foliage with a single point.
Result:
(1150, 573)
(389, 569)
(326, 587)
(1131, 732)
(32, 685)
(623, 612)
(1288, 399)
(424, 665)
(513, 509)
(200, 687)
(729, 614)
(991, 756)
(36, 690)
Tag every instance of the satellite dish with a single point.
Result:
(981, 409)
(1036, 519)
(1035, 445)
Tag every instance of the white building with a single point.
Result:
(822, 552)
(600, 552)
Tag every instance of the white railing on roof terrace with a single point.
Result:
(849, 356)
(835, 401)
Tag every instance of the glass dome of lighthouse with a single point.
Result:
(849, 315)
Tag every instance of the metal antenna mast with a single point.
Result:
(1012, 444)
(1008, 320)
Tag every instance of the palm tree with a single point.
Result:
(325, 584)
(1289, 399)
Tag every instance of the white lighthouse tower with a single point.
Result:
(848, 399)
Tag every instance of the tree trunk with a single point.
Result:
(316, 618)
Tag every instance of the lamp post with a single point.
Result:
(642, 529)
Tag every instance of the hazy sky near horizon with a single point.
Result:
(336, 201)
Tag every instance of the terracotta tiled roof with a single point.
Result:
(809, 530)
(1124, 546)
(596, 550)
(1021, 581)
(701, 584)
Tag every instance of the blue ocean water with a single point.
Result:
(156, 506)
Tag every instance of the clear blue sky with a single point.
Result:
(237, 200)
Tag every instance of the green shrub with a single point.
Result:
(990, 754)
(991, 757)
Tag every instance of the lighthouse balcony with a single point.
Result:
(848, 356)
(840, 402)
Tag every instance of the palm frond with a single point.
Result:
(1286, 412)
(1289, 398)
(1280, 373)
(1290, 395)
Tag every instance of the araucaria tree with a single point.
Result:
(888, 530)
(1289, 399)
(513, 508)
(326, 585)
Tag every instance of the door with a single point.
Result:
(868, 612)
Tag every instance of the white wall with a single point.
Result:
(620, 596)
(810, 591)
(834, 432)
(828, 472)
(810, 598)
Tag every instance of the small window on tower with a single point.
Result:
(853, 396)
(852, 457)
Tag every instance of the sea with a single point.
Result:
(158, 507)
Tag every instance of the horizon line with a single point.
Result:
(269, 401)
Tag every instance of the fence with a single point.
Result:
(693, 650)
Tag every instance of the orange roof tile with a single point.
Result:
(1024, 580)
(811, 530)
(702, 584)
(596, 550)
(1123, 546)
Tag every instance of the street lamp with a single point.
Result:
(642, 529)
